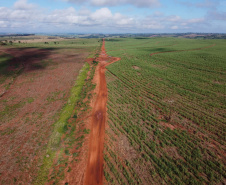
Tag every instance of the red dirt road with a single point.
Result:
(94, 172)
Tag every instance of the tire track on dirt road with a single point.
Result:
(94, 171)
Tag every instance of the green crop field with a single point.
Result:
(166, 111)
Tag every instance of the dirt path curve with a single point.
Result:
(94, 171)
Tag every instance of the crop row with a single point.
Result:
(170, 108)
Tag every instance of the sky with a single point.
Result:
(112, 16)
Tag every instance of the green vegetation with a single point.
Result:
(8, 131)
(65, 43)
(60, 127)
(4, 64)
(75, 131)
(166, 111)
(9, 110)
(4, 58)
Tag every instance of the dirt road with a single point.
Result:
(94, 172)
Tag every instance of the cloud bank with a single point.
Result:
(137, 3)
(26, 17)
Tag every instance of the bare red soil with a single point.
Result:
(31, 106)
(94, 172)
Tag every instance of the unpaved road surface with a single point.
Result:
(94, 172)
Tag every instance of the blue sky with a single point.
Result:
(112, 16)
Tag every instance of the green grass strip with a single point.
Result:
(59, 127)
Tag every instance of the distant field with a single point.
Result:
(166, 111)
(30, 39)
(37, 83)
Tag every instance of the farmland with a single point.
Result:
(165, 119)
(166, 111)
(43, 84)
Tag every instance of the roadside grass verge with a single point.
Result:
(75, 136)
(60, 127)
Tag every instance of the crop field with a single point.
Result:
(165, 107)
(42, 82)
(166, 111)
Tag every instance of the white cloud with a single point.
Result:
(122, 20)
(196, 20)
(153, 26)
(84, 11)
(173, 18)
(21, 11)
(35, 19)
(4, 24)
(104, 2)
(158, 21)
(23, 5)
(137, 3)
(215, 15)
(102, 17)
(4, 12)
(174, 27)
(206, 4)
(102, 14)
(145, 3)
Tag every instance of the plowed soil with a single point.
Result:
(30, 107)
(94, 172)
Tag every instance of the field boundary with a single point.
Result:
(58, 130)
